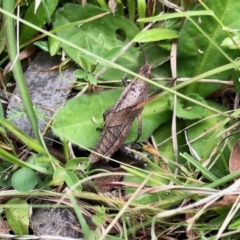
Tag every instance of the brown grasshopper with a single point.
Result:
(119, 118)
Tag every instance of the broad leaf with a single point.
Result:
(79, 120)
(189, 110)
(24, 179)
(17, 213)
(38, 17)
(115, 32)
(197, 54)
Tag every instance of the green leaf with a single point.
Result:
(92, 79)
(80, 118)
(231, 43)
(58, 177)
(77, 163)
(198, 54)
(188, 110)
(70, 178)
(108, 28)
(131, 9)
(156, 34)
(206, 173)
(235, 224)
(79, 74)
(42, 16)
(100, 45)
(218, 221)
(24, 179)
(41, 160)
(141, 7)
(17, 213)
(43, 45)
(54, 46)
(112, 53)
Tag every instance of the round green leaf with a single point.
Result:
(156, 34)
(24, 179)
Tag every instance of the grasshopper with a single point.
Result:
(119, 118)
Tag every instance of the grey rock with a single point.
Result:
(48, 90)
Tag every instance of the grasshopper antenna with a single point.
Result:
(144, 54)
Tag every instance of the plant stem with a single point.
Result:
(17, 68)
